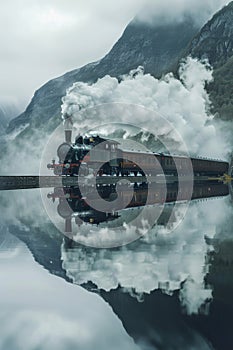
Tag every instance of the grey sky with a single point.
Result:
(42, 39)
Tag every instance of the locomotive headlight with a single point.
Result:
(62, 151)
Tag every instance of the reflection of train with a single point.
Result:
(72, 204)
(106, 156)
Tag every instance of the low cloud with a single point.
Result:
(168, 11)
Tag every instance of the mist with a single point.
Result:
(168, 11)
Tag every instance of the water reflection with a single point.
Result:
(166, 290)
(39, 311)
(134, 209)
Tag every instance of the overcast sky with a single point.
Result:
(42, 39)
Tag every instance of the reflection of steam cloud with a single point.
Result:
(161, 260)
(158, 261)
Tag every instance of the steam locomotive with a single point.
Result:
(106, 156)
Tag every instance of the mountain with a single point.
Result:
(3, 123)
(215, 42)
(7, 112)
(221, 91)
(156, 47)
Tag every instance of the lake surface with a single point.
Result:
(172, 288)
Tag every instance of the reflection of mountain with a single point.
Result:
(45, 247)
(9, 244)
(221, 271)
(158, 320)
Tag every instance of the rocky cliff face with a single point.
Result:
(7, 112)
(156, 47)
(215, 42)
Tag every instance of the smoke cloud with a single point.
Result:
(184, 103)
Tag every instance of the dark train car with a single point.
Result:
(140, 162)
(210, 167)
(171, 164)
(107, 158)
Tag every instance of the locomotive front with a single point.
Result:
(84, 151)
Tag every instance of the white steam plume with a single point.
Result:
(184, 103)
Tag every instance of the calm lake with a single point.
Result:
(172, 288)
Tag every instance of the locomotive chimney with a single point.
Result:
(68, 125)
(68, 225)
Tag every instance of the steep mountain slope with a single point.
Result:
(156, 47)
(7, 112)
(215, 42)
(221, 91)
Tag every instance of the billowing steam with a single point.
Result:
(184, 103)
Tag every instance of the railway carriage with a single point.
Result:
(109, 159)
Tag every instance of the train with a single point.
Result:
(106, 155)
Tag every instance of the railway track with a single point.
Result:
(29, 182)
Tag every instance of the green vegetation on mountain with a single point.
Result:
(221, 91)
(215, 43)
